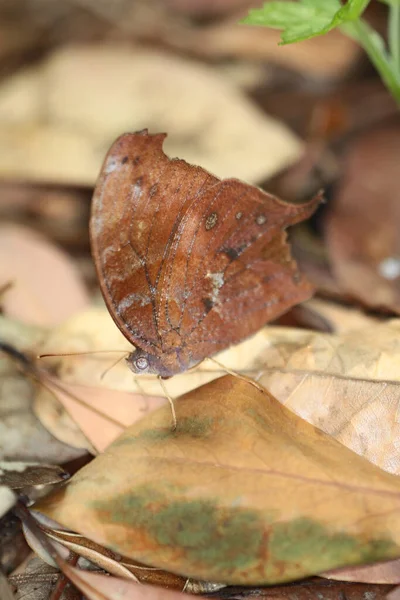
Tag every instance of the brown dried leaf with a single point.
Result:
(37, 582)
(325, 57)
(100, 587)
(20, 475)
(13, 547)
(243, 492)
(115, 564)
(394, 594)
(361, 229)
(209, 7)
(46, 288)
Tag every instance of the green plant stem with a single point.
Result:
(374, 46)
(394, 35)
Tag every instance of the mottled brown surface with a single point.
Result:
(310, 589)
(188, 264)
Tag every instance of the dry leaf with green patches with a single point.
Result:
(243, 492)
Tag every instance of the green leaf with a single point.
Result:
(306, 18)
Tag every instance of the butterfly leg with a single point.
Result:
(170, 400)
(251, 381)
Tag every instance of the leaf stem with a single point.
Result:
(394, 35)
(374, 46)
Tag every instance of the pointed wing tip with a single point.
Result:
(135, 142)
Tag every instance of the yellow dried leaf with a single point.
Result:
(58, 135)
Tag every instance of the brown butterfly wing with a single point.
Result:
(229, 269)
(188, 264)
(136, 205)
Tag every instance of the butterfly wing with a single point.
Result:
(136, 206)
(229, 269)
(188, 264)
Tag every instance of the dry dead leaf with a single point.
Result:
(47, 407)
(20, 475)
(386, 572)
(22, 437)
(5, 589)
(243, 492)
(338, 318)
(55, 134)
(100, 587)
(98, 413)
(46, 287)
(13, 547)
(83, 417)
(348, 385)
(361, 228)
(111, 562)
(115, 564)
(394, 594)
(209, 7)
(325, 57)
(7, 499)
(38, 581)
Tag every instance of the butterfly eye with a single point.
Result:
(141, 363)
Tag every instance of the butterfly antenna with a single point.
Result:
(81, 353)
(114, 364)
(50, 384)
(170, 400)
(235, 374)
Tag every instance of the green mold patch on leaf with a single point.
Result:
(243, 492)
(232, 538)
(198, 428)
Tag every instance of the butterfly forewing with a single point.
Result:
(135, 209)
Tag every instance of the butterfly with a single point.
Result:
(188, 264)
